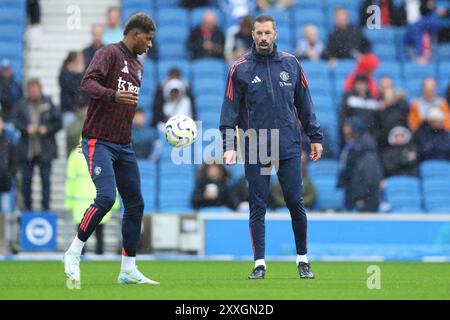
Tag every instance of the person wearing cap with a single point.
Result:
(399, 158)
(432, 140)
(10, 90)
(366, 66)
(429, 99)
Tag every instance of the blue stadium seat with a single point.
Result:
(165, 65)
(175, 193)
(12, 15)
(173, 16)
(437, 202)
(323, 168)
(444, 70)
(173, 50)
(444, 51)
(392, 69)
(214, 86)
(309, 4)
(173, 33)
(128, 11)
(413, 87)
(384, 35)
(344, 67)
(414, 70)
(215, 210)
(284, 35)
(208, 68)
(282, 17)
(305, 16)
(166, 3)
(324, 103)
(320, 87)
(208, 101)
(148, 174)
(298, 32)
(434, 170)
(12, 32)
(315, 69)
(328, 196)
(385, 51)
(403, 194)
(352, 7)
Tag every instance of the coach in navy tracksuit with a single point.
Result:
(267, 89)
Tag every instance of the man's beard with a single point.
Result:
(264, 51)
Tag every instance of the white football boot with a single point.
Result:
(72, 270)
(134, 276)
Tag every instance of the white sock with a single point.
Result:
(77, 245)
(260, 262)
(128, 263)
(302, 258)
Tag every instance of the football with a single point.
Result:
(180, 131)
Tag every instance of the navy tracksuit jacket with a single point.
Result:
(271, 92)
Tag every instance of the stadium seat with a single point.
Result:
(329, 197)
(352, 7)
(437, 202)
(207, 101)
(305, 16)
(282, 17)
(344, 67)
(12, 15)
(434, 170)
(309, 4)
(166, 3)
(392, 69)
(320, 87)
(385, 51)
(323, 168)
(414, 70)
(148, 174)
(215, 210)
(173, 50)
(128, 11)
(444, 70)
(208, 68)
(213, 86)
(315, 69)
(173, 33)
(444, 51)
(173, 16)
(384, 35)
(403, 194)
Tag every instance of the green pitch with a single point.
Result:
(226, 280)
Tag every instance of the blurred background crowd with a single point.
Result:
(381, 94)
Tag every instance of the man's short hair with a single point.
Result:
(264, 18)
(34, 81)
(141, 21)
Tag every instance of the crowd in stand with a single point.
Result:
(383, 132)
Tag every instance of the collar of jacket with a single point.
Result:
(274, 56)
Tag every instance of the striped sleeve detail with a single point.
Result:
(230, 94)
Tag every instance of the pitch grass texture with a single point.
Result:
(225, 280)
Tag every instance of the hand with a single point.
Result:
(230, 157)
(316, 151)
(31, 130)
(43, 130)
(126, 97)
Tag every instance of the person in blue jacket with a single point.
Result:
(267, 89)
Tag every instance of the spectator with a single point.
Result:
(145, 139)
(393, 112)
(236, 9)
(74, 129)
(240, 41)
(359, 103)
(429, 99)
(432, 140)
(113, 30)
(34, 11)
(38, 121)
(361, 170)
(97, 43)
(310, 47)
(70, 78)
(211, 188)
(10, 91)
(79, 192)
(269, 4)
(421, 35)
(276, 199)
(366, 65)
(206, 40)
(400, 157)
(173, 100)
(346, 41)
(8, 164)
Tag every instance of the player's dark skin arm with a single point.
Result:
(126, 97)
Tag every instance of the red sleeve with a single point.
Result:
(97, 73)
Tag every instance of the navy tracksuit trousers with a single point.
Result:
(110, 165)
(290, 177)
